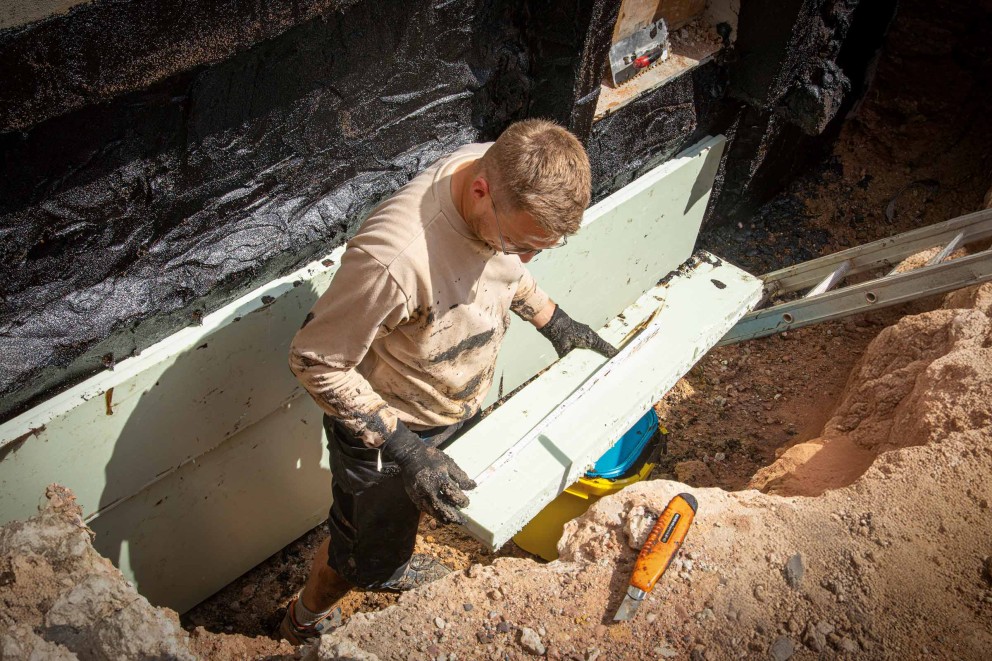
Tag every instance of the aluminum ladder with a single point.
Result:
(827, 300)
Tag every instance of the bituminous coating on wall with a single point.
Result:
(160, 159)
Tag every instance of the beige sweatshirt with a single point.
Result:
(411, 324)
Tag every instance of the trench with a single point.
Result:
(742, 406)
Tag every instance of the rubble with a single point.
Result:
(72, 601)
(59, 599)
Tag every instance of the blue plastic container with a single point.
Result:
(625, 452)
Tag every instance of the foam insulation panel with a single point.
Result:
(175, 453)
(693, 309)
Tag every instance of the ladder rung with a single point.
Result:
(946, 250)
(831, 280)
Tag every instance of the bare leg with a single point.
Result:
(324, 586)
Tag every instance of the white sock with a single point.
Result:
(304, 615)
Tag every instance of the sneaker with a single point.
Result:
(298, 634)
(421, 570)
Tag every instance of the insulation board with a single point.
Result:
(693, 310)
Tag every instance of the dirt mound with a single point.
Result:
(921, 380)
(892, 562)
(895, 564)
(759, 575)
(59, 599)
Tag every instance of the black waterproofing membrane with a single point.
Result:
(161, 158)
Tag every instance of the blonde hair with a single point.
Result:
(542, 169)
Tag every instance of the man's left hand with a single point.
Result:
(566, 334)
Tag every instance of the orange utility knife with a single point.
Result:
(663, 543)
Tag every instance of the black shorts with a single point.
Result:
(372, 522)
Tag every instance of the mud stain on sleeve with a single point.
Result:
(523, 309)
(423, 315)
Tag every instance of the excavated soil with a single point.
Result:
(842, 470)
(895, 563)
(916, 152)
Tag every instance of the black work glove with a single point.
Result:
(432, 479)
(566, 334)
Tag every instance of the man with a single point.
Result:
(401, 349)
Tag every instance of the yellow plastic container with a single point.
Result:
(541, 535)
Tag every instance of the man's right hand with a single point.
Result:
(432, 479)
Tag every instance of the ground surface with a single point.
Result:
(917, 151)
(869, 440)
(893, 564)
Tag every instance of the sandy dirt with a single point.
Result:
(861, 446)
(917, 151)
(891, 563)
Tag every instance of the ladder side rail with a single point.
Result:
(882, 253)
(882, 292)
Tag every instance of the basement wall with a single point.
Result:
(159, 159)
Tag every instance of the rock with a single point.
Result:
(531, 642)
(329, 649)
(987, 569)
(813, 639)
(849, 646)
(782, 649)
(638, 524)
(794, 571)
(503, 627)
(54, 582)
(21, 642)
(467, 607)
(665, 652)
(698, 653)
(439, 622)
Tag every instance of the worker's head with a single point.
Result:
(537, 179)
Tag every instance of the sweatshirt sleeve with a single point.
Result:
(529, 299)
(362, 303)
